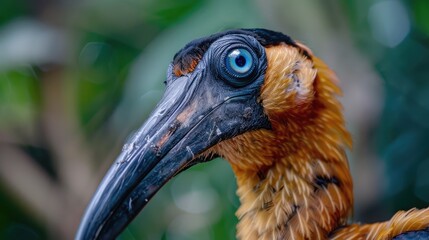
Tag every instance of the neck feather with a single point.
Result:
(286, 202)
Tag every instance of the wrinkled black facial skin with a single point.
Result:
(197, 111)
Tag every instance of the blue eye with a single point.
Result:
(238, 66)
(239, 62)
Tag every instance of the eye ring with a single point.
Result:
(238, 65)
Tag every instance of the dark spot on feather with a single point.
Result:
(267, 205)
(262, 175)
(322, 182)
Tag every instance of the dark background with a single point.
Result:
(76, 77)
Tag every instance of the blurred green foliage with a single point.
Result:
(402, 134)
(110, 76)
(20, 97)
(12, 9)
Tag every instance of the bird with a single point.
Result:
(267, 105)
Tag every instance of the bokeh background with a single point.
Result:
(77, 77)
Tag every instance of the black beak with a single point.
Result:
(197, 111)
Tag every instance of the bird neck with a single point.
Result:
(298, 197)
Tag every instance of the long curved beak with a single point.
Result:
(192, 116)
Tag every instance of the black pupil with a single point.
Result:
(240, 61)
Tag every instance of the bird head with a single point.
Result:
(236, 94)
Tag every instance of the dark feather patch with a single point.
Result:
(413, 235)
(322, 182)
